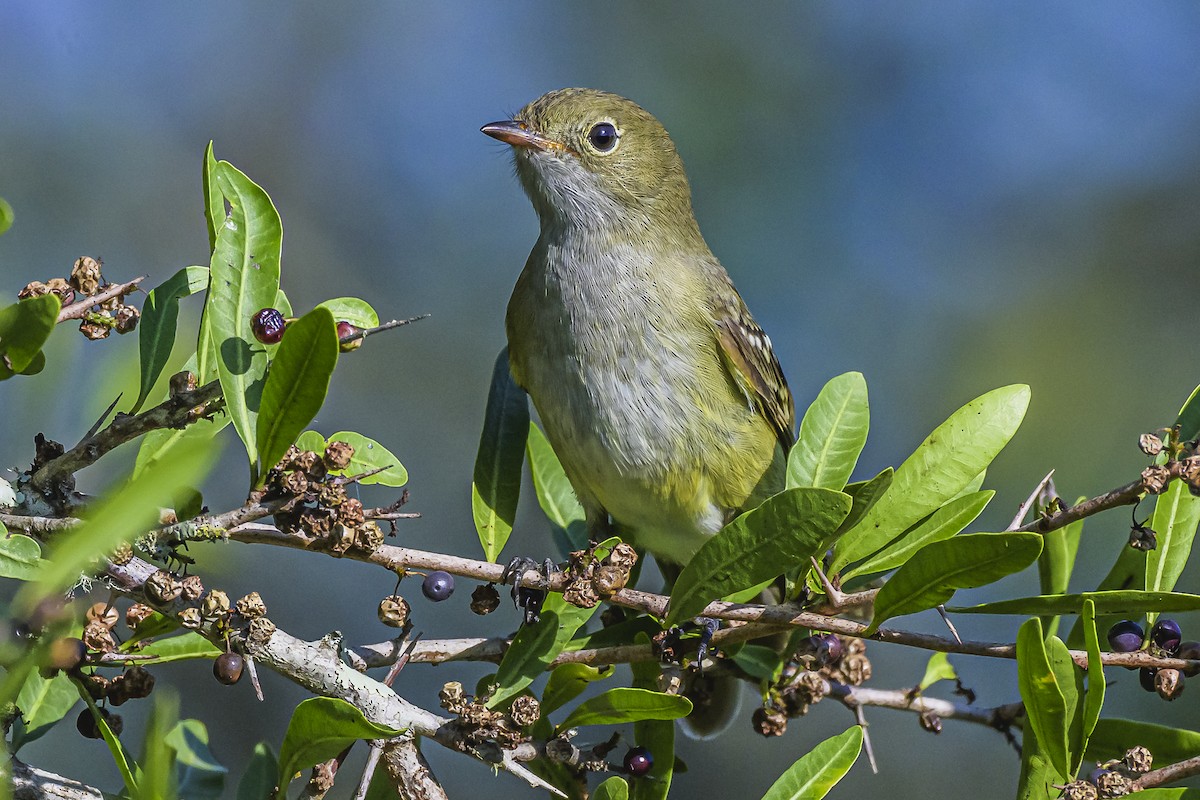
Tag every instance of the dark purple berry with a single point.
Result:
(268, 325)
(1146, 678)
(1166, 634)
(345, 329)
(1125, 637)
(86, 723)
(227, 668)
(638, 761)
(438, 585)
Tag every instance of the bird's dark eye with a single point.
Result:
(603, 136)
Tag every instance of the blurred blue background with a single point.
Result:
(947, 197)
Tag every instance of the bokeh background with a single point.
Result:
(947, 197)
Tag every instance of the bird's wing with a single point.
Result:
(751, 361)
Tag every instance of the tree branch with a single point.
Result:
(79, 310)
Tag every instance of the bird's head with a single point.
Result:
(592, 159)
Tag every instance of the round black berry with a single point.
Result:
(603, 136)
(438, 585)
(268, 325)
(227, 668)
(1125, 637)
(638, 761)
(1166, 634)
(1146, 678)
(86, 723)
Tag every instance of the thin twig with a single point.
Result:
(1029, 501)
(1168, 774)
(79, 310)
(362, 333)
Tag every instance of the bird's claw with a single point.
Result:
(527, 598)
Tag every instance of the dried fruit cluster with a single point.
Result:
(820, 661)
(87, 279)
(478, 724)
(322, 508)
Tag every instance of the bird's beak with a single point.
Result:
(518, 134)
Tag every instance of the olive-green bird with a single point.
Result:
(658, 391)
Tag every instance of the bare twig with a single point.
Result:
(386, 326)
(1168, 774)
(79, 310)
(409, 772)
(1029, 501)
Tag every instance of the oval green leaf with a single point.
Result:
(1044, 697)
(1093, 700)
(623, 704)
(945, 464)
(497, 480)
(43, 702)
(1112, 737)
(20, 556)
(568, 681)
(820, 769)
(1122, 602)
(535, 646)
(350, 309)
(296, 384)
(777, 536)
(320, 728)
(24, 328)
(612, 789)
(554, 492)
(931, 577)
(368, 455)
(947, 521)
(1176, 515)
(832, 435)
(245, 279)
(156, 329)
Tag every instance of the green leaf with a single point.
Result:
(932, 576)
(656, 735)
(350, 309)
(320, 728)
(535, 646)
(198, 773)
(622, 704)
(554, 492)
(128, 512)
(258, 781)
(311, 440)
(942, 524)
(245, 279)
(296, 384)
(6, 215)
(832, 435)
(818, 770)
(612, 789)
(1093, 700)
(942, 466)
(155, 624)
(185, 647)
(1176, 515)
(368, 455)
(43, 702)
(156, 330)
(1124, 603)
(497, 480)
(865, 495)
(1056, 563)
(155, 769)
(24, 328)
(780, 534)
(161, 445)
(1128, 573)
(1112, 737)
(937, 669)
(1045, 698)
(20, 556)
(1189, 417)
(758, 661)
(214, 201)
(567, 681)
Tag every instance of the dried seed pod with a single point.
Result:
(452, 697)
(94, 330)
(126, 318)
(162, 588)
(215, 605)
(316, 522)
(338, 455)
(33, 289)
(96, 685)
(191, 587)
(622, 555)
(1155, 478)
(294, 483)
(136, 614)
(341, 539)
(122, 555)
(1168, 683)
(261, 630)
(251, 606)
(525, 710)
(609, 579)
(394, 611)
(485, 599)
(190, 618)
(97, 636)
(368, 537)
(86, 275)
(350, 512)
(1111, 783)
(60, 287)
(138, 682)
(331, 495)
(769, 721)
(1150, 444)
(1080, 790)
(103, 613)
(1138, 760)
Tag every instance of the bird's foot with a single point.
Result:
(527, 598)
